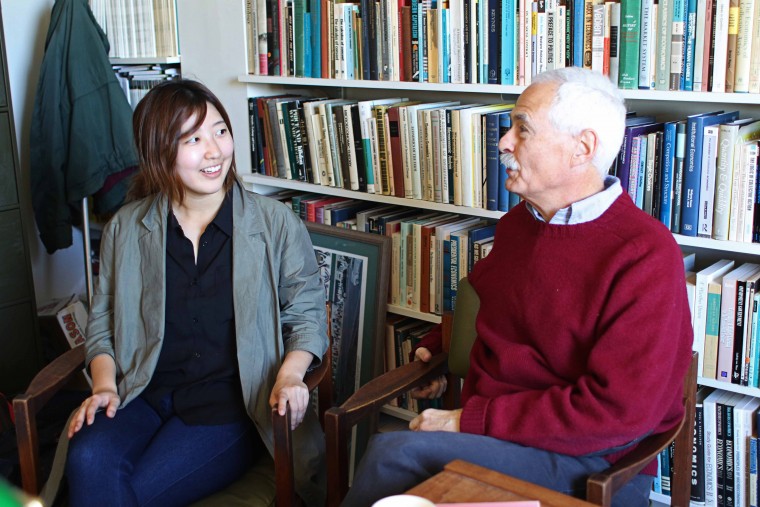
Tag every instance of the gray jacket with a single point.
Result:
(279, 307)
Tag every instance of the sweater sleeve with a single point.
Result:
(630, 380)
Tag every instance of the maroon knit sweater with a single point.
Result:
(584, 333)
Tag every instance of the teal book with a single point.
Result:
(630, 32)
(508, 42)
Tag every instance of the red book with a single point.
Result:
(396, 158)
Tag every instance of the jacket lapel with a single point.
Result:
(152, 242)
(248, 254)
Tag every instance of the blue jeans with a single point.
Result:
(141, 457)
(395, 462)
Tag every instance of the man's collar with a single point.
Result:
(587, 209)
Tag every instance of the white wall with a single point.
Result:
(25, 23)
(212, 45)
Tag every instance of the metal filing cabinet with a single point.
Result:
(19, 335)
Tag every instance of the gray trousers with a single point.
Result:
(397, 461)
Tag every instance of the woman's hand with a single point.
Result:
(290, 389)
(86, 412)
(289, 386)
(436, 387)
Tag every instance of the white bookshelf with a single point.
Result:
(224, 34)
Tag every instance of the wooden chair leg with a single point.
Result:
(337, 458)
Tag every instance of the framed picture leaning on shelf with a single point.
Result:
(355, 269)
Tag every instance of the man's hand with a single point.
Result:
(437, 420)
(435, 388)
(86, 412)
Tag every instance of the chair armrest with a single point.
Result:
(26, 406)
(366, 401)
(611, 480)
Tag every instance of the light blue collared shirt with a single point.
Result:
(587, 209)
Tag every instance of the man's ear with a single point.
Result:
(585, 148)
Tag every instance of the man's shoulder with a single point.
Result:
(633, 225)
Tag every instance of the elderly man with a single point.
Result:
(584, 328)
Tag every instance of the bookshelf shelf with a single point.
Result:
(147, 60)
(725, 386)
(659, 498)
(406, 312)
(270, 181)
(653, 95)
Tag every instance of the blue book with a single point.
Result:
(514, 200)
(666, 174)
(689, 45)
(416, 60)
(299, 11)
(307, 51)
(340, 214)
(445, 49)
(474, 235)
(508, 46)
(692, 174)
(578, 14)
(364, 14)
(492, 161)
(493, 36)
(447, 275)
(315, 10)
(635, 126)
(505, 122)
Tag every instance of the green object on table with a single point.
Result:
(12, 497)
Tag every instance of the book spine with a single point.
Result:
(676, 44)
(690, 42)
(629, 44)
(698, 455)
(666, 178)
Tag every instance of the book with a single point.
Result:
(720, 44)
(679, 161)
(707, 184)
(713, 457)
(664, 31)
(698, 446)
(676, 44)
(630, 12)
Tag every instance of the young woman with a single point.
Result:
(207, 312)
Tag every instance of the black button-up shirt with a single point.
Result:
(198, 361)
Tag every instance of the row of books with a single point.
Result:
(698, 176)
(137, 80)
(725, 457)
(138, 28)
(682, 44)
(639, 44)
(444, 152)
(725, 313)
(431, 250)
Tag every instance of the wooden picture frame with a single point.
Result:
(355, 268)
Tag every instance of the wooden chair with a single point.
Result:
(458, 336)
(265, 484)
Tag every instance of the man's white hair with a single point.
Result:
(587, 100)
